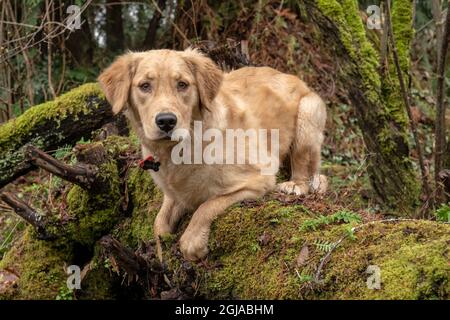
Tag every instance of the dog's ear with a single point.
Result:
(207, 73)
(115, 81)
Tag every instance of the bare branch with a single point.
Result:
(124, 259)
(82, 175)
(27, 213)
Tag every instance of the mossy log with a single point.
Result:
(51, 125)
(266, 249)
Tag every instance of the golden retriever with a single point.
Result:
(166, 90)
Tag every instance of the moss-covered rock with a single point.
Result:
(257, 250)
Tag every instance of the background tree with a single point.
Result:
(114, 26)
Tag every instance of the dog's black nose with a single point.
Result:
(166, 121)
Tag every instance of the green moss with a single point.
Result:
(94, 214)
(402, 16)
(116, 145)
(99, 283)
(402, 11)
(353, 36)
(40, 267)
(146, 200)
(412, 257)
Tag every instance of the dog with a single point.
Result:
(163, 91)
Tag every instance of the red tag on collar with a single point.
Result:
(149, 163)
(143, 161)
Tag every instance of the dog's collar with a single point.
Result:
(149, 163)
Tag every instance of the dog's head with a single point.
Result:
(163, 89)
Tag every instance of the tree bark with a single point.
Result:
(80, 44)
(440, 130)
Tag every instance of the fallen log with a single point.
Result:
(51, 125)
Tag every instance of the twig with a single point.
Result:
(405, 96)
(436, 6)
(49, 54)
(440, 107)
(27, 213)
(134, 265)
(84, 176)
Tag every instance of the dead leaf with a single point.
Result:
(8, 281)
(264, 239)
(303, 256)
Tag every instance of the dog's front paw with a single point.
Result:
(290, 187)
(194, 244)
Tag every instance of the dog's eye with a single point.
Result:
(146, 87)
(181, 85)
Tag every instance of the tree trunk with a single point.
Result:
(150, 35)
(377, 101)
(446, 175)
(440, 129)
(80, 44)
(115, 40)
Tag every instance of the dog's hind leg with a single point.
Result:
(305, 150)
